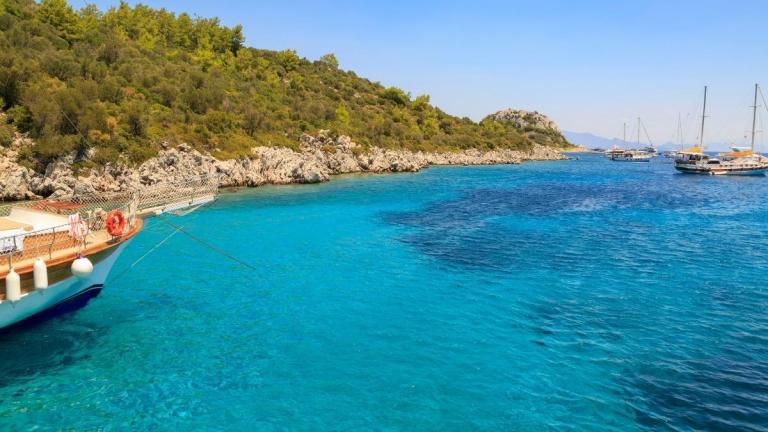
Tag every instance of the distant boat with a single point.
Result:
(613, 151)
(631, 156)
(618, 154)
(740, 161)
(679, 138)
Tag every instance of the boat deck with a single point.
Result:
(66, 249)
(50, 247)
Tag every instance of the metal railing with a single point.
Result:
(178, 192)
(82, 216)
(46, 243)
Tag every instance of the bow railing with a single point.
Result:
(47, 227)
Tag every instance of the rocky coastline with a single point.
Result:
(319, 158)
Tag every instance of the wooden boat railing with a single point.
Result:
(181, 193)
(49, 228)
(22, 249)
(78, 221)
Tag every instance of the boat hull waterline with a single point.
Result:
(631, 159)
(719, 171)
(60, 296)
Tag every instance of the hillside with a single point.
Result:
(113, 85)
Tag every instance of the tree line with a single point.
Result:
(112, 85)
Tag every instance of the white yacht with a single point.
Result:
(740, 161)
(618, 154)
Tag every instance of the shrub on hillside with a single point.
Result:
(120, 81)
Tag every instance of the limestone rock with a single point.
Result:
(320, 157)
(522, 119)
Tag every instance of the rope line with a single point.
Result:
(762, 96)
(179, 229)
(210, 246)
(646, 133)
(141, 258)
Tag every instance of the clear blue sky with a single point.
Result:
(590, 65)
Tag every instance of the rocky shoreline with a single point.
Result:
(319, 158)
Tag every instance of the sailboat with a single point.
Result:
(650, 149)
(615, 150)
(672, 154)
(737, 162)
(618, 154)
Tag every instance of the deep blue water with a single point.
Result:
(580, 295)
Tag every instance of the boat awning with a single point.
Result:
(10, 225)
(692, 150)
(734, 154)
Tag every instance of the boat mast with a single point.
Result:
(624, 139)
(638, 133)
(703, 116)
(754, 117)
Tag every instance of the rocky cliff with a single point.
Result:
(319, 158)
(522, 119)
(536, 126)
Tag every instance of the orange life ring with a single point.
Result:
(115, 223)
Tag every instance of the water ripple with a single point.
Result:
(549, 296)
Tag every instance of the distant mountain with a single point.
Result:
(589, 140)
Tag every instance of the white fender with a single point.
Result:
(40, 274)
(12, 286)
(82, 267)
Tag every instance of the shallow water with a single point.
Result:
(580, 295)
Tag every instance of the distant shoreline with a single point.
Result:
(319, 159)
(578, 149)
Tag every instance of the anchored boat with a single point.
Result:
(619, 154)
(695, 161)
(631, 156)
(740, 161)
(679, 139)
(55, 255)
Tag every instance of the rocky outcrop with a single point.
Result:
(319, 158)
(522, 119)
(18, 182)
(535, 126)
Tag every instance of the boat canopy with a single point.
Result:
(692, 150)
(735, 154)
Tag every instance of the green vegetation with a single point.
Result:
(114, 84)
(546, 137)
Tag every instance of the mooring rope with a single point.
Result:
(179, 229)
(214, 248)
(141, 258)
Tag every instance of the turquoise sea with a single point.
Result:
(577, 295)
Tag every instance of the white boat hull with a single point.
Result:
(648, 159)
(749, 172)
(68, 290)
(720, 170)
